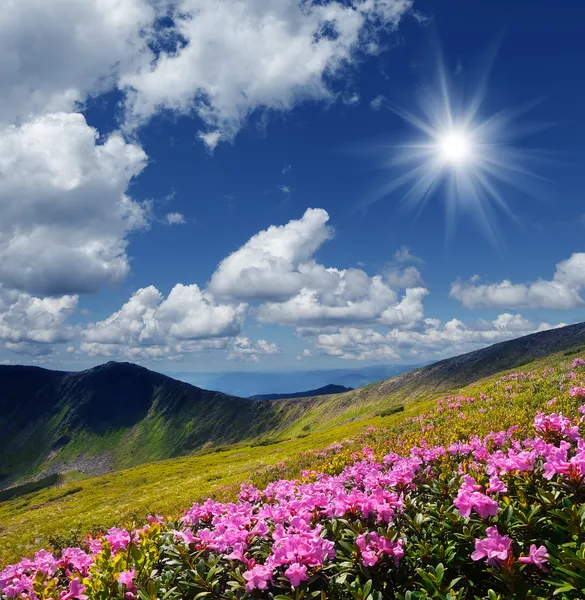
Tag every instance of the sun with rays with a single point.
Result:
(471, 158)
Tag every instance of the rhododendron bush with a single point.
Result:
(434, 509)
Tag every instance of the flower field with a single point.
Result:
(480, 497)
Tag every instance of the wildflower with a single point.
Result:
(469, 498)
(117, 538)
(537, 557)
(296, 573)
(76, 590)
(496, 485)
(257, 577)
(495, 548)
(372, 546)
(127, 577)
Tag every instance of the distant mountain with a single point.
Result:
(119, 414)
(248, 383)
(324, 391)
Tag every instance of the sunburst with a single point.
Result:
(472, 159)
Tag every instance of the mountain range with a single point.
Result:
(326, 390)
(119, 414)
(253, 383)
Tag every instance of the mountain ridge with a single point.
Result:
(326, 390)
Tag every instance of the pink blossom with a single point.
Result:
(372, 546)
(496, 485)
(296, 573)
(257, 578)
(127, 577)
(495, 548)
(468, 499)
(76, 590)
(117, 538)
(537, 557)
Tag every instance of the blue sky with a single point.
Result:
(186, 193)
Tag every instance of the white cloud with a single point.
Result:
(377, 102)
(243, 55)
(175, 218)
(404, 256)
(562, 292)
(210, 139)
(277, 266)
(404, 278)
(348, 297)
(266, 267)
(244, 349)
(53, 54)
(65, 213)
(30, 325)
(433, 340)
(188, 314)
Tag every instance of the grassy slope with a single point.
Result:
(162, 418)
(27, 522)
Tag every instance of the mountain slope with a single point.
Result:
(120, 415)
(111, 416)
(322, 391)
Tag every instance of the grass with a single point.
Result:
(27, 522)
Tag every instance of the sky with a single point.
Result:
(270, 185)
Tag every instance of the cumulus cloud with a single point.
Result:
(65, 212)
(346, 301)
(148, 319)
(266, 267)
(277, 266)
(244, 349)
(54, 54)
(30, 325)
(562, 292)
(175, 218)
(235, 56)
(433, 339)
(405, 256)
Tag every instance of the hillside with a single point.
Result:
(473, 495)
(322, 391)
(119, 415)
(111, 416)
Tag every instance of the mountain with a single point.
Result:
(111, 416)
(323, 391)
(119, 415)
(251, 383)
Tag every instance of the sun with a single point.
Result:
(470, 159)
(455, 147)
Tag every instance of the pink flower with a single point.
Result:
(257, 577)
(468, 499)
(118, 538)
(537, 557)
(496, 485)
(127, 577)
(372, 546)
(296, 573)
(77, 558)
(495, 548)
(76, 590)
